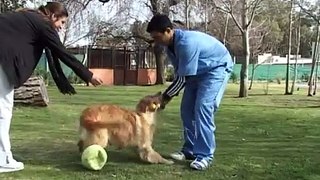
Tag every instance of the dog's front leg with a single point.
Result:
(80, 146)
(146, 152)
(151, 156)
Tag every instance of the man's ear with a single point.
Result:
(168, 30)
(151, 43)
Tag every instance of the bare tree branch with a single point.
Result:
(253, 11)
(150, 7)
(228, 9)
(223, 10)
(314, 17)
(67, 44)
(236, 22)
(259, 25)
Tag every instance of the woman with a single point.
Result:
(24, 35)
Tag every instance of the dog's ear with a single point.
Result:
(142, 107)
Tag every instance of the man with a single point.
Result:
(202, 66)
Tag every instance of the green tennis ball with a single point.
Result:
(94, 157)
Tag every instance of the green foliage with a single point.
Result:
(233, 77)
(45, 75)
(169, 74)
(305, 77)
(269, 29)
(73, 79)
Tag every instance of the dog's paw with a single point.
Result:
(169, 162)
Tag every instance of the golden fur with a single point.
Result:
(113, 125)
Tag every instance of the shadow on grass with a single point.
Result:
(67, 158)
(272, 106)
(312, 106)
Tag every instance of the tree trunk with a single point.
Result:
(187, 13)
(252, 75)
(297, 53)
(158, 7)
(243, 92)
(244, 67)
(33, 92)
(1, 4)
(206, 17)
(266, 92)
(316, 77)
(315, 52)
(226, 30)
(289, 50)
(160, 55)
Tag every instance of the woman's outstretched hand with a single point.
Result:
(96, 81)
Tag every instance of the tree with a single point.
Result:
(298, 39)
(76, 21)
(258, 32)
(314, 12)
(287, 92)
(314, 60)
(247, 10)
(79, 21)
(9, 5)
(160, 6)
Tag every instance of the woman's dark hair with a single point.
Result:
(56, 8)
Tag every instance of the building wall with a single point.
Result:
(106, 75)
(147, 76)
(111, 76)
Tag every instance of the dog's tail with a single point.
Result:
(92, 122)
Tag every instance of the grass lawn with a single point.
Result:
(260, 137)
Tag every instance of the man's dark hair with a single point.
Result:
(159, 23)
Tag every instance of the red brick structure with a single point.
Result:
(123, 65)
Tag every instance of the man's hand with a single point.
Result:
(165, 99)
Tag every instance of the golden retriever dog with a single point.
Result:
(113, 125)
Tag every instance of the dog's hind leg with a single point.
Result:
(98, 136)
(82, 136)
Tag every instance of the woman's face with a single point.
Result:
(59, 22)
